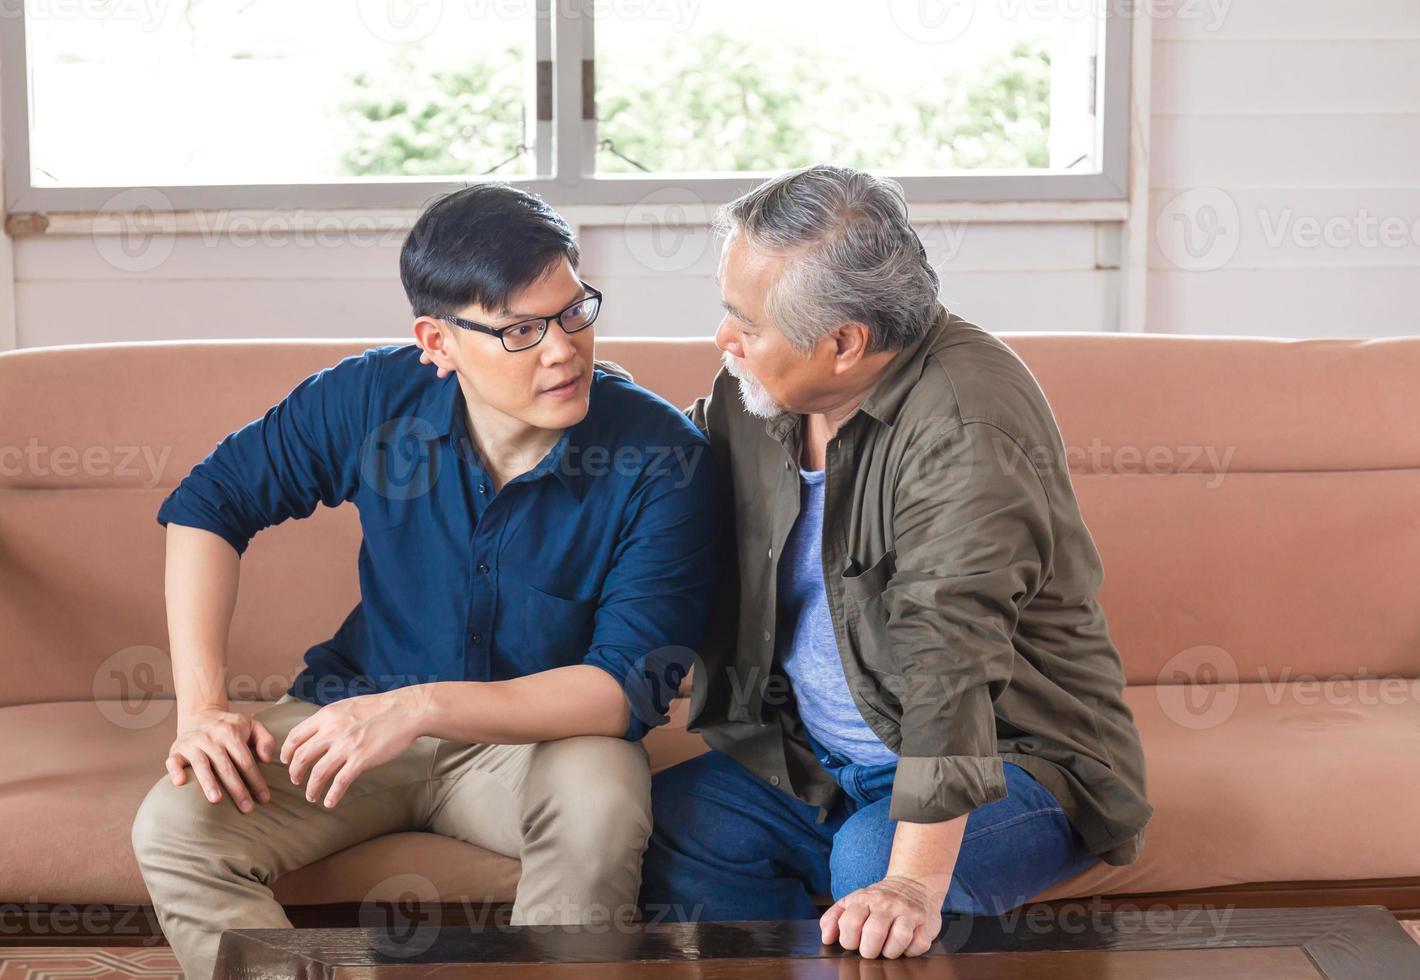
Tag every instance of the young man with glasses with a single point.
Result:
(538, 557)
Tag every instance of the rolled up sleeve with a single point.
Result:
(973, 540)
(655, 601)
(303, 451)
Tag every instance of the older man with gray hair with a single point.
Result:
(910, 691)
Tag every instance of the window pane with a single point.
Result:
(908, 86)
(261, 91)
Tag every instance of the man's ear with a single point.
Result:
(850, 342)
(433, 339)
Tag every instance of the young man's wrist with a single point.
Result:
(188, 711)
(201, 679)
(420, 706)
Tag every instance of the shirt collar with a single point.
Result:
(443, 406)
(565, 462)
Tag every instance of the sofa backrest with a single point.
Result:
(1257, 500)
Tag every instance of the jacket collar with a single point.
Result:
(885, 399)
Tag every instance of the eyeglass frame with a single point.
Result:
(592, 293)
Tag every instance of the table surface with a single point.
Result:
(1063, 942)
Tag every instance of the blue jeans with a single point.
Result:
(727, 845)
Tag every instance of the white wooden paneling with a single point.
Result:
(101, 311)
(658, 306)
(361, 255)
(675, 249)
(1034, 301)
(78, 289)
(1203, 77)
(1339, 302)
(1347, 150)
(1293, 228)
(999, 301)
(1284, 189)
(1226, 20)
(637, 250)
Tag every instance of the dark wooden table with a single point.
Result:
(1159, 944)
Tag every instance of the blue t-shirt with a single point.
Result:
(605, 553)
(805, 643)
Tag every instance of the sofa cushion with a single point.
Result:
(1283, 781)
(72, 775)
(1250, 783)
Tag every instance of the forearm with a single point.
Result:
(927, 853)
(541, 707)
(201, 588)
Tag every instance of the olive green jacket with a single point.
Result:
(961, 583)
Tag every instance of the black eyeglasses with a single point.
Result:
(526, 334)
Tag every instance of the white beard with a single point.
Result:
(752, 394)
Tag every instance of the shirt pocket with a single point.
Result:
(865, 613)
(556, 630)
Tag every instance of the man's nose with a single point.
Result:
(556, 346)
(727, 338)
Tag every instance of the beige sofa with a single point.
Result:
(1256, 504)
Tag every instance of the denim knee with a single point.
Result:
(861, 850)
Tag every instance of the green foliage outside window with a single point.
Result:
(717, 105)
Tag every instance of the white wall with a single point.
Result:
(78, 289)
(1284, 199)
(1293, 128)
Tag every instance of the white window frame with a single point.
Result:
(565, 146)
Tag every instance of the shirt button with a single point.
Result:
(767, 636)
(482, 569)
(788, 465)
(483, 488)
(476, 639)
(771, 552)
(773, 780)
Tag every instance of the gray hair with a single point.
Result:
(852, 255)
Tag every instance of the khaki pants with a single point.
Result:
(577, 812)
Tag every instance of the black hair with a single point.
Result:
(481, 244)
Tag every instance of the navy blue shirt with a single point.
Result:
(605, 553)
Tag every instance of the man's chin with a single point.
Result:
(756, 401)
(753, 397)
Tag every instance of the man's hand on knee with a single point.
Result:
(222, 747)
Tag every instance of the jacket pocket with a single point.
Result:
(865, 613)
(872, 580)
